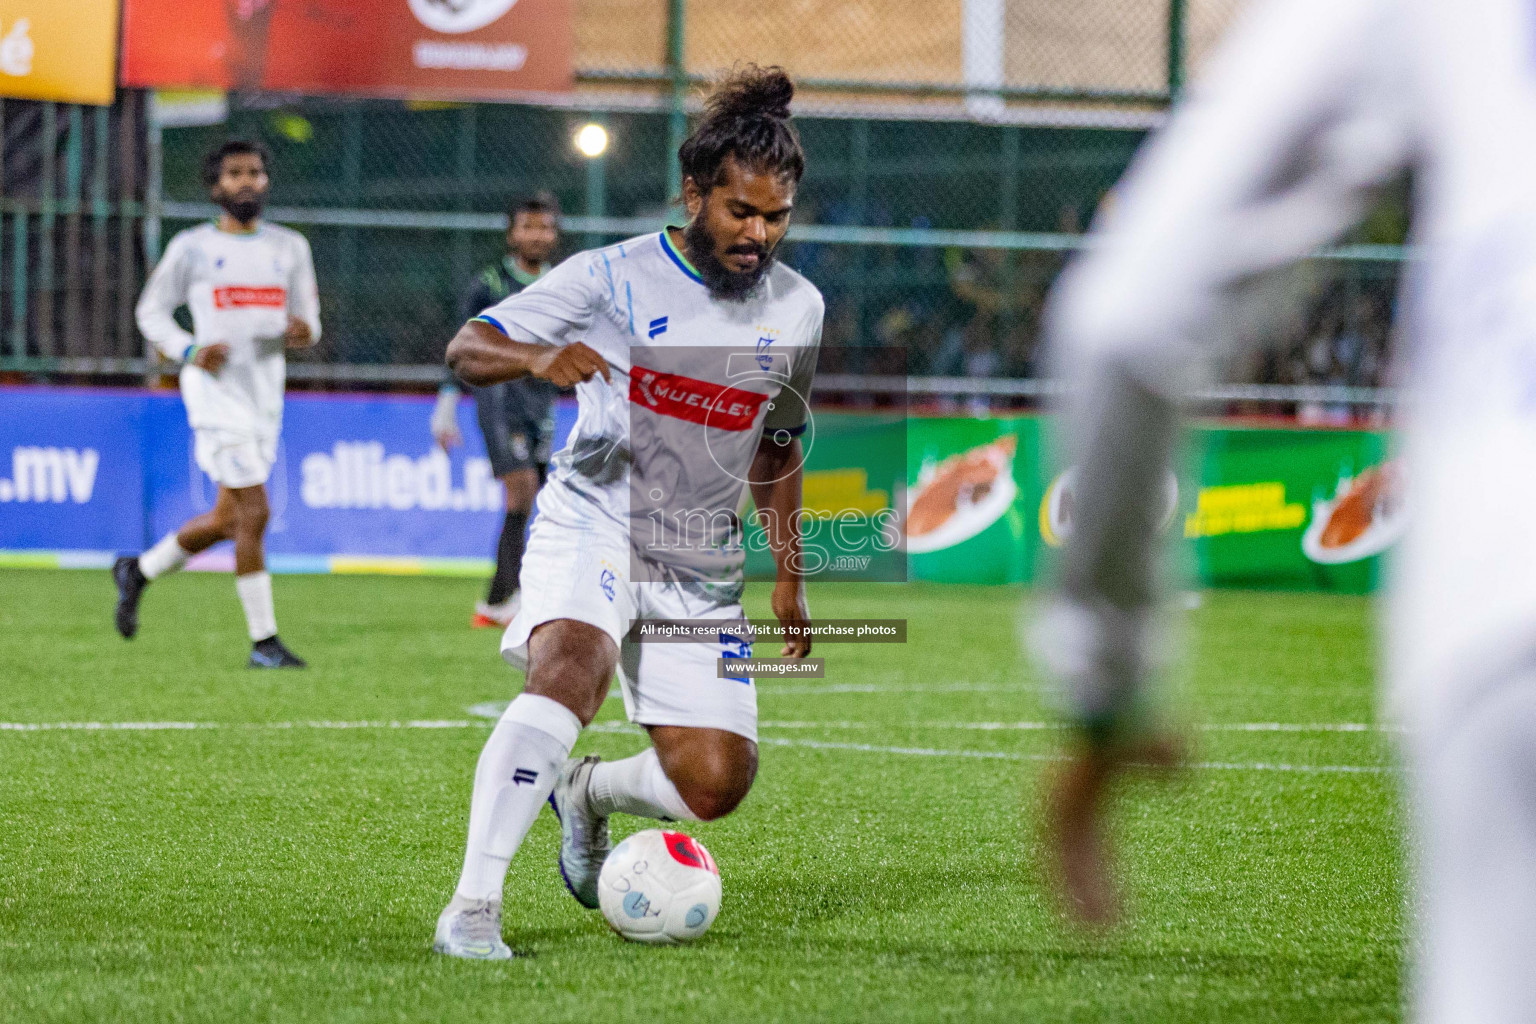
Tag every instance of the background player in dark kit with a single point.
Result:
(517, 416)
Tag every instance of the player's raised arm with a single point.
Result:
(481, 355)
(303, 300)
(164, 292)
(551, 315)
(776, 490)
(1272, 156)
(776, 481)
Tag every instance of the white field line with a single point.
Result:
(493, 709)
(485, 719)
(627, 728)
(772, 690)
(1298, 727)
(1006, 755)
(187, 726)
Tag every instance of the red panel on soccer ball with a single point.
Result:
(685, 850)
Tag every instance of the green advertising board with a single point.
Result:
(1274, 508)
(972, 485)
(852, 482)
(980, 500)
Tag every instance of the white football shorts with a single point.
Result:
(581, 572)
(234, 460)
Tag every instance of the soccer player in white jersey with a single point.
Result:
(1308, 105)
(250, 287)
(692, 352)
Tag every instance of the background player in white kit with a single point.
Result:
(1310, 104)
(250, 287)
(684, 314)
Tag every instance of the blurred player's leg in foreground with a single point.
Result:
(1475, 785)
(1308, 106)
(1078, 845)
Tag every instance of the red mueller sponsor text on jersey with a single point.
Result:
(236, 296)
(697, 401)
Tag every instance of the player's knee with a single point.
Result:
(251, 518)
(716, 787)
(224, 521)
(573, 680)
(520, 488)
(571, 662)
(711, 801)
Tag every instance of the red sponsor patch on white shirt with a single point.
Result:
(235, 296)
(697, 401)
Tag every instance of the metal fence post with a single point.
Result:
(47, 221)
(344, 332)
(19, 281)
(101, 157)
(74, 335)
(128, 213)
(467, 141)
(677, 12)
(1176, 19)
(154, 182)
(1008, 209)
(597, 185)
(858, 199)
(2, 218)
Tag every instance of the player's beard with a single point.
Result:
(244, 206)
(722, 281)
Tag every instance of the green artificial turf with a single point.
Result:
(259, 873)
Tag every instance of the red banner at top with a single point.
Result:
(451, 49)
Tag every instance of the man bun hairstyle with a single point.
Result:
(746, 117)
(213, 160)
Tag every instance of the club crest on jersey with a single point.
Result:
(606, 580)
(697, 401)
(764, 358)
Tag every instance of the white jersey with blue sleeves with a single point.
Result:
(665, 449)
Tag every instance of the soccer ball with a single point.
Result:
(659, 887)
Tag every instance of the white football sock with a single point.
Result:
(517, 771)
(166, 556)
(636, 785)
(255, 590)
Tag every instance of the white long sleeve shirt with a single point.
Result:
(240, 289)
(1308, 104)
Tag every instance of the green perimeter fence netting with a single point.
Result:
(946, 185)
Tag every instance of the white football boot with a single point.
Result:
(471, 929)
(584, 842)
